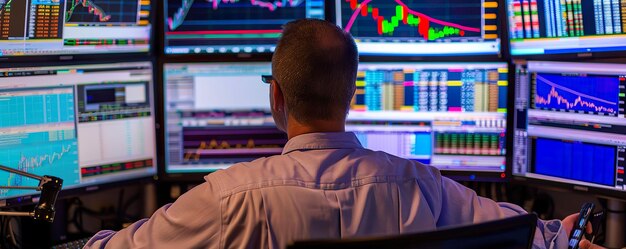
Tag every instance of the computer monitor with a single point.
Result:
(214, 26)
(548, 27)
(87, 124)
(449, 115)
(217, 114)
(569, 125)
(69, 27)
(422, 28)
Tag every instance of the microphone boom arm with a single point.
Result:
(49, 187)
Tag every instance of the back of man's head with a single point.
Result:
(315, 65)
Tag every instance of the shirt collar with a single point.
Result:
(321, 141)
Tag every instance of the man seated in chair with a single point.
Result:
(324, 184)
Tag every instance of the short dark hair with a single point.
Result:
(315, 64)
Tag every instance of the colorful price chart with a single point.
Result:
(430, 20)
(590, 94)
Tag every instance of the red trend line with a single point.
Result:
(552, 84)
(355, 14)
(554, 94)
(217, 2)
(268, 5)
(454, 25)
(223, 32)
(179, 16)
(419, 14)
(3, 7)
(92, 8)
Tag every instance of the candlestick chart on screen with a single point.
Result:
(583, 94)
(429, 20)
(102, 11)
(5, 5)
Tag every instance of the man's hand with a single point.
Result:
(586, 244)
(568, 224)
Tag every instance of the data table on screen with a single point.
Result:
(72, 27)
(86, 124)
(538, 27)
(38, 136)
(448, 115)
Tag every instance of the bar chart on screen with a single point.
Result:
(396, 19)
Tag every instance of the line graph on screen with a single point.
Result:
(590, 94)
(214, 147)
(33, 163)
(251, 8)
(398, 19)
(110, 11)
(4, 5)
(36, 154)
(208, 145)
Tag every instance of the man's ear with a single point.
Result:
(278, 97)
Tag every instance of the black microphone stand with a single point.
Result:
(49, 187)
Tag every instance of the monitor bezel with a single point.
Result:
(557, 185)
(146, 177)
(61, 59)
(194, 177)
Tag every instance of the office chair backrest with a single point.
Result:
(511, 233)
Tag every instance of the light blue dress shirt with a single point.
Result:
(324, 185)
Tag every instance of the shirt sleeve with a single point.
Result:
(192, 221)
(461, 205)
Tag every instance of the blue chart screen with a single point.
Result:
(37, 135)
(589, 94)
(575, 160)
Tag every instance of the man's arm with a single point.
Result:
(461, 205)
(193, 221)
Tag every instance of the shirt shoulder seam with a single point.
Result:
(315, 185)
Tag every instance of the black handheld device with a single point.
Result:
(578, 230)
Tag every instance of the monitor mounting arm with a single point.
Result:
(49, 187)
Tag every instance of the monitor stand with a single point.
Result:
(615, 223)
(150, 199)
